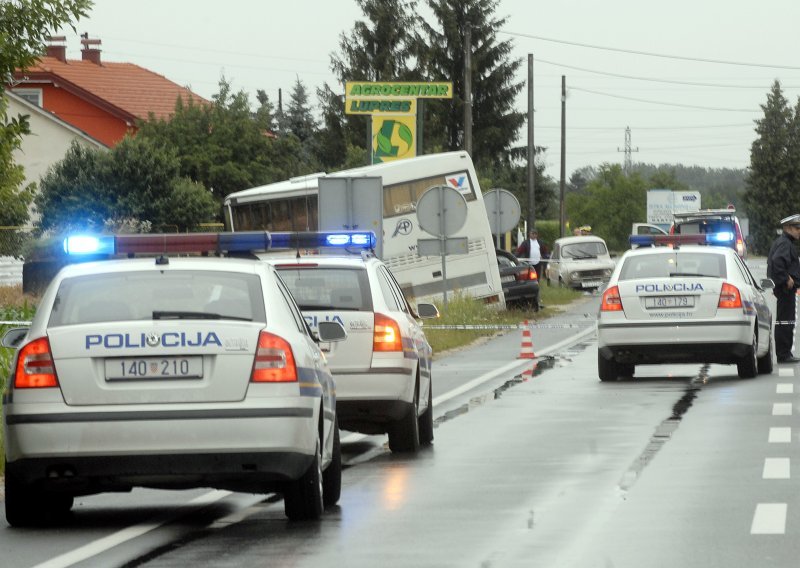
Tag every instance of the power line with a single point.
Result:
(652, 54)
(651, 79)
(662, 102)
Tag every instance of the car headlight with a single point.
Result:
(607, 272)
(574, 276)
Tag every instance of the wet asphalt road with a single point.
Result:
(539, 465)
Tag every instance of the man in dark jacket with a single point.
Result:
(783, 267)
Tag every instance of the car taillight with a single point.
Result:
(35, 367)
(611, 300)
(740, 247)
(529, 274)
(729, 297)
(274, 361)
(386, 336)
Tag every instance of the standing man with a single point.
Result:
(783, 267)
(531, 251)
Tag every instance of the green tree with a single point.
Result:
(610, 203)
(378, 48)
(24, 28)
(14, 198)
(495, 122)
(223, 146)
(299, 119)
(330, 145)
(771, 191)
(137, 182)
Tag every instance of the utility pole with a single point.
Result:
(531, 151)
(627, 164)
(562, 211)
(468, 89)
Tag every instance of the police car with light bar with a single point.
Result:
(170, 371)
(683, 303)
(383, 368)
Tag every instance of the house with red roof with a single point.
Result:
(102, 99)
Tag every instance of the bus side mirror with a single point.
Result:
(427, 311)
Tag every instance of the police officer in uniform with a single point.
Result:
(783, 267)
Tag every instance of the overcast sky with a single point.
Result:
(679, 109)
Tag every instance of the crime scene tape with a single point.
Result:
(15, 323)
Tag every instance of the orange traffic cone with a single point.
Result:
(526, 351)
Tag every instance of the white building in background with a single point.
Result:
(48, 142)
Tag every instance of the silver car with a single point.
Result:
(169, 373)
(581, 262)
(687, 304)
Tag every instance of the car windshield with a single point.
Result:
(151, 294)
(328, 288)
(673, 265)
(706, 226)
(581, 251)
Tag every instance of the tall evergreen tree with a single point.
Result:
(771, 193)
(380, 48)
(330, 145)
(495, 122)
(299, 119)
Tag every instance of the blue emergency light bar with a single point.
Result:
(672, 240)
(248, 241)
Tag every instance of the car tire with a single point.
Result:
(748, 364)
(607, 369)
(425, 425)
(765, 362)
(302, 498)
(332, 476)
(28, 507)
(404, 433)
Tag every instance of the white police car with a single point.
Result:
(169, 372)
(683, 304)
(383, 368)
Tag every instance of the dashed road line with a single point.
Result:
(782, 409)
(780, 435)
(769, 518)
(784, 388)
(777, 468)
(786, 372)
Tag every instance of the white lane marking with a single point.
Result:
(784, 388)
(786, 372)
(777, 468)
(780, 435)
(101, 545)
(782, 409)
(769, 518)
(505, 368)
(355, 437)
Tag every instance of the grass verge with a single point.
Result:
(463, 310)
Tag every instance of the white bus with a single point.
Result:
(292, 206)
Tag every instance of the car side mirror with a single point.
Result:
(427, 311)
(331, 331)
(767, 283)
(13, 337)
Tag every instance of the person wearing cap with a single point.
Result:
(783, 267)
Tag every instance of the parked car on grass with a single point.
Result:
(519, 280)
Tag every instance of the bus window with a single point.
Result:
(299, 214)
(281, 219)
(401, 198)
(312, 212)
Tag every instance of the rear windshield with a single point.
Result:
(673, 265)
(328, 288)
(147, 295)
(707, 226)
(579, 251)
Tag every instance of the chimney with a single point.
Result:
(90, 53)
(57, 51)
